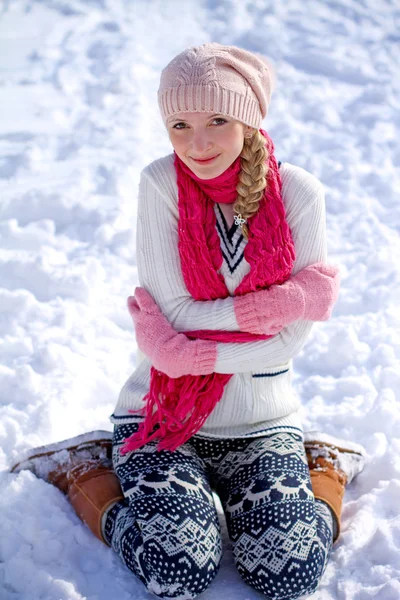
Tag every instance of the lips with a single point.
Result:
(205, 160)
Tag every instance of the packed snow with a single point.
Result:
(78, 121)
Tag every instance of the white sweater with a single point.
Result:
(259, 396)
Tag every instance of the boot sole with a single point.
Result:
(83, 440)
(315, 438)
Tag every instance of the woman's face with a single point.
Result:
(203, 135)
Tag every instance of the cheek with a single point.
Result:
(177, 142)
(234, 139)
(235, 146)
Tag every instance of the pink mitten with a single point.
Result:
(169, 351)
(309, 295)
(320, 285)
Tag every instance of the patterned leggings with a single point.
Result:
(167, 530)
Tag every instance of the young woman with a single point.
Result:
(231, 256)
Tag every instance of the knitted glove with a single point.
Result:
(169, 351)
(308, 295)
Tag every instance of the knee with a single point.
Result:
(170, 562)
(286, 588)
(177, 578)
(177, 563)
(280, 574)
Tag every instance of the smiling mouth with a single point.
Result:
(205, 160)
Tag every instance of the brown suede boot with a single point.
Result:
(333, 463)
(81, 468)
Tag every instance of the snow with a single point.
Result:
(78, 121)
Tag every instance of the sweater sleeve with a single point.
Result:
(158, 263)
(309, 236)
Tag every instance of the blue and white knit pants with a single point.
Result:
(167, 530)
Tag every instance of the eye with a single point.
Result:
(184, 124)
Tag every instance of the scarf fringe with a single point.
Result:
(171, 414)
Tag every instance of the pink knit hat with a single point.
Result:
(215, 78)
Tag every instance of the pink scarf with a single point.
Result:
(177, 408)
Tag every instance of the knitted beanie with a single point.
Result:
(214, 78)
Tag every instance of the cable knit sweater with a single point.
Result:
(259, 396)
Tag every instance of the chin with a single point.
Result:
(209, 175)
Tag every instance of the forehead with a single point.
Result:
(192, 117)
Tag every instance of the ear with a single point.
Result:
(249, 132)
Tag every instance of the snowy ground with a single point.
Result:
(78, 121)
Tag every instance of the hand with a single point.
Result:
(320, 285)
(309, 295)
(169, 351)
(269, 311)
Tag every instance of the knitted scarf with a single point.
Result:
(176, 408)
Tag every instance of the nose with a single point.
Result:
(200, 142)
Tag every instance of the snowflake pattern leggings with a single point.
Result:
(167, 529)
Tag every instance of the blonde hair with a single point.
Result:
(252, 178)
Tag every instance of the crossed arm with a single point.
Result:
(160, 275)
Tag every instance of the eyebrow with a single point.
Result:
(179, 120)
